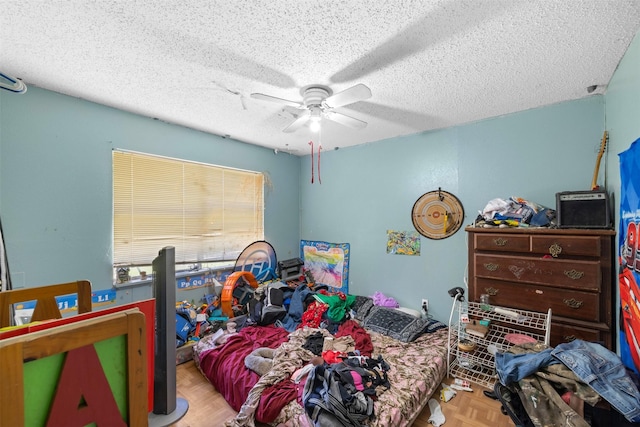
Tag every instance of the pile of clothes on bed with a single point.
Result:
(342, 393)
(294, 308)
(340, 382)
(317, 353)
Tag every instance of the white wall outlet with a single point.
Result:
(425, 305)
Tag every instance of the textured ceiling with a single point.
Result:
(429, 64)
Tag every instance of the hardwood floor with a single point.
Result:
(207, 408)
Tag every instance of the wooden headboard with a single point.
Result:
(46, 306)
(82, 375)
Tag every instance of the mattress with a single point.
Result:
(416, 370)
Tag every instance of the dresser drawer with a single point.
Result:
(570, 274)
(572, 304)
(502, 243)
(566, 333)
(570, 271)
(560, 246)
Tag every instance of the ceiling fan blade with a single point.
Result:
(298, 123)
(270, 98)
(355, 93)
(345, 120)
(294, 110)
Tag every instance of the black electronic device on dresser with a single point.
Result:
(583, 209)
(570, 271)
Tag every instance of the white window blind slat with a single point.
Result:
(208, 213)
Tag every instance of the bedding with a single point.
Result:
(395, 323)
(414, 349)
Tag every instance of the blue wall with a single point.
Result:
(622, 113)
(622, 118)
(56, 182)
(367, 190)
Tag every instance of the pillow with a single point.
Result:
(359, 300)
(362, 306)
(411, 311)
(394, 323)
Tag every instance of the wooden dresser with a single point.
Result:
(570, 271)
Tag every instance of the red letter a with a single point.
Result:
(83, 395)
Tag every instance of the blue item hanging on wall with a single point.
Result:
(629, 249)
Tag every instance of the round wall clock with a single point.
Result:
(437, 214)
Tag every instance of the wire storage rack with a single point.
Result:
(478, 365)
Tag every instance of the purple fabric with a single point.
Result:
(224, 366)
(380, 299)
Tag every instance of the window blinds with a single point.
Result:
(208, 213)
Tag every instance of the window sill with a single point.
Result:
(179, 275)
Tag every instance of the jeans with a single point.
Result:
(296, 308)
(603, 371)
(511, 368)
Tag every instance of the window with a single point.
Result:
(208, 213)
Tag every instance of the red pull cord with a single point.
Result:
(311, 144)
(319, 150)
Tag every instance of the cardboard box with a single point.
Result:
(185, 353)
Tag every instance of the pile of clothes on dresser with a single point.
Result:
(515, 212)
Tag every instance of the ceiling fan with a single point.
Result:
(319, 101)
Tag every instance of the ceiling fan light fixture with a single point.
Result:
(315, 118)
(314, 125)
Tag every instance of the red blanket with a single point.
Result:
(224, 365)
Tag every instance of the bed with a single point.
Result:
(415, 350)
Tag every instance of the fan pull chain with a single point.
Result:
(311, 144)
(319, 149)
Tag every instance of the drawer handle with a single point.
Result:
(500, 241)
(491, 291)
(491, 267)
(573, 303)
(569, 338)
(555, 250)
(574, 274)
